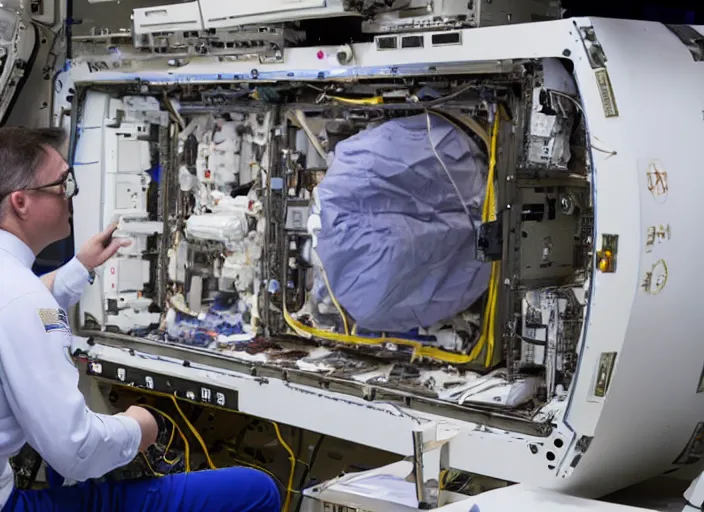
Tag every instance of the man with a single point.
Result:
(39, 398)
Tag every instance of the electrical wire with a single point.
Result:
(284, 444)
(169, 104)
(567, 97)
(487, 337)
(452, 95)
(463, 121)
(155, 473)
(195, 433)
(579, 107)
(186, 445)
(297, 116)
(374, 100)
(335, 302)
(444, 167)
(292, 458)
(309, 468)
(489, 215)
(168, 447)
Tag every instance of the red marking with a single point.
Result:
(207, 174)
(112, 271)
(113, 286)
(250, 205)
(320, 55)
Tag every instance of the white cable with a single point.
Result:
(457, 190)
(301, 118)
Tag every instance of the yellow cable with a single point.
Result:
(489, 215)
(168, 447)
(487, 337)
(186, 446)
(292, 458)
(171, 439)
(150, 466)
(442, 478)
(375, 100)
(337, 305)
(195, 433)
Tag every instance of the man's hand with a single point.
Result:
(149, 426)
(100, 248)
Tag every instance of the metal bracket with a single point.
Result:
(430, 458)
(595, 53)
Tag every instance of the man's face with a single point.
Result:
(49, 212)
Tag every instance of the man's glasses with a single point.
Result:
(67, 184)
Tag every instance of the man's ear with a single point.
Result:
(19, 202)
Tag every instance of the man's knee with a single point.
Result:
(227, 489)
(267, 495)
(255, 490)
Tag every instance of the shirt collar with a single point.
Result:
(17, 248)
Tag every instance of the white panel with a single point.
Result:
(481, 50)
(328, 413)
(129, 193)
(166, 18)
(215, 10)
(87, 205)
(132, 155)
(654, 401)
(131, 274)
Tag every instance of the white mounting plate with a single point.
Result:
(326, 412)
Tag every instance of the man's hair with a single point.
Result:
(22, 152)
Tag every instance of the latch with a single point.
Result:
(606, 258)
(595, 53)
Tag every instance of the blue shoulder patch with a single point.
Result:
(54, 320)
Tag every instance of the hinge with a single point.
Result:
(693, 40)
(597, 60)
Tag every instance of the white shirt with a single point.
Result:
(39, 398)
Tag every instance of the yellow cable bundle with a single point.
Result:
(487, 337)
(186, 447)
(195, 432)
(374, 100)
(292, 457)
(489, 215)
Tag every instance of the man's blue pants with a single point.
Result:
(222, 490)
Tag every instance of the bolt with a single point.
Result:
(566, 204)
